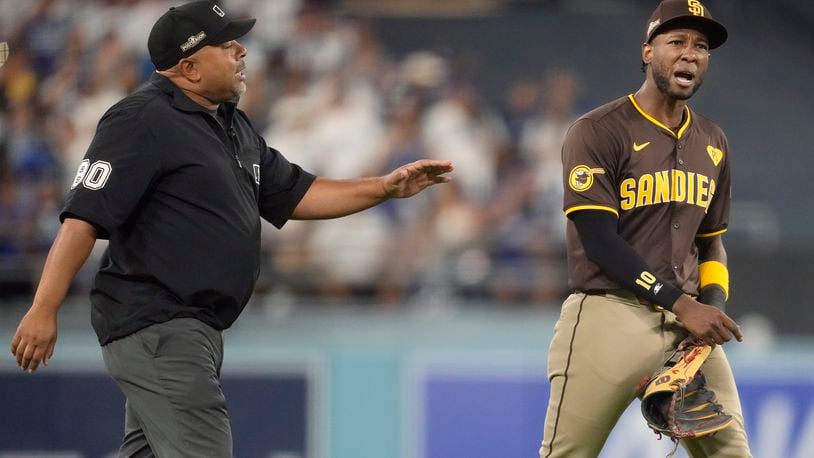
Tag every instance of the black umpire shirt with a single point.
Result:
(178, 193)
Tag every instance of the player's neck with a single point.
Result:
(667, 110)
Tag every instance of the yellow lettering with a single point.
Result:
(679, 186)
(627, 191)
(662, 191)
(711, 194)
(645, 194)
(691, 187)
(703, 189)
(666, 186)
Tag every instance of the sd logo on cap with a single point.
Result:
(672, 14)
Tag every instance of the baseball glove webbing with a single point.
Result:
(676, 402)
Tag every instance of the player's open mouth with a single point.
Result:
(684, 78)
(241, 73)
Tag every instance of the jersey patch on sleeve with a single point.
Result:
(93, 176)
(581, 177)
(80, 173)
(715, 154)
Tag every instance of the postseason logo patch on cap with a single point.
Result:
(193, 41)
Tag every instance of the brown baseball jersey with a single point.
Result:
(666, 187)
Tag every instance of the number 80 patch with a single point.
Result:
(93, 177)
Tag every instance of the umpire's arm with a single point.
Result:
(327, 198)
(36, 336)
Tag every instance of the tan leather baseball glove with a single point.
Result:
(677, 403)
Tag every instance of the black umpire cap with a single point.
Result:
(185, 29)
(672, 14)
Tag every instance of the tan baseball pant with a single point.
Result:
(603, 347)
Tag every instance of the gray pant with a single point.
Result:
(170, 374)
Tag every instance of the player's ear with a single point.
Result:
(647, 53)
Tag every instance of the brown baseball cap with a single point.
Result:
(672, 14)
(184, 29)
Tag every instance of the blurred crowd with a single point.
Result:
(325, 92)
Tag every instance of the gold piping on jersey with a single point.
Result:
(710, 234)
(666, 186)
(658, 123)
(591, 207)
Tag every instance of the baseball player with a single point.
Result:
(647, 195)
(177, 179)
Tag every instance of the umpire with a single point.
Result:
(176, 178)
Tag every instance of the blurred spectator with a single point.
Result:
(278, 18)
(15, 277)
(30, 158)
(522, 106)
(526, 212)
(461, 128)
(44, 35)
(455, 237)
(19, 78)
(541, 145)
(408, 250)
(11, 221)
(320, 43)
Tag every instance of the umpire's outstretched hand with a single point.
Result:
(706, 322)
(411, 178)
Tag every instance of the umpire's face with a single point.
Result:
(221, 76)
(677, 61)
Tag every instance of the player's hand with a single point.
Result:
(706, 322)
(33, 343)
(412, 178)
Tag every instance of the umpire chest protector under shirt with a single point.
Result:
(666, 188)
(180, 198)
